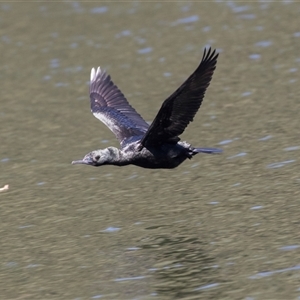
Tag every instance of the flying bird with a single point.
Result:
(149, 146)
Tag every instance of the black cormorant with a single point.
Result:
(157, 145)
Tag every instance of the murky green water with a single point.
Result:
(217, 227)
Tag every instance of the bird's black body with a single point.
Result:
(165, 156)
(158, 145)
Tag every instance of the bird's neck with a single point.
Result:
(116, 157)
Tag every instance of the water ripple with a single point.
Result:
(297, 34)
(133, 248)
(167, 74)
(247, 16)
(186, 20)
(145, 50)
(111, 229)
(214, 203)
(237, 155)
(270, 273)
(225, 142)
(245, 94)
(238, 9)
(256, 207)
(265, 138)
(254, 56)
(25, 226)
(99, 10)
(289, 248)
(280, 164)
(293, 148)
(264, 44)
(129, 278)
(54, 63)
(205, 287)
(123, 33)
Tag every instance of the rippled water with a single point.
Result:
(217, 227)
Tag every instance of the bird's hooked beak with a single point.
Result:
(85, 161)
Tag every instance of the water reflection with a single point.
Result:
(182, 266)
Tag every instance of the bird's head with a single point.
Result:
(95, 158)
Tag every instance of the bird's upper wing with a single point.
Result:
(179, 109)
(110, 106)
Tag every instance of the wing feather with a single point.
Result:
(110, 106)
(179, 109)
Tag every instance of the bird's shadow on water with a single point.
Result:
(182, 268)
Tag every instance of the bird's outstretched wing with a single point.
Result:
(109, 105)
(179, 109)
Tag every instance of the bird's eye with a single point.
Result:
(97, 157)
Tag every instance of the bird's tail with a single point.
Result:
(206, 150)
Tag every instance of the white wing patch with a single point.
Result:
(109, 122)
(95, 73)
